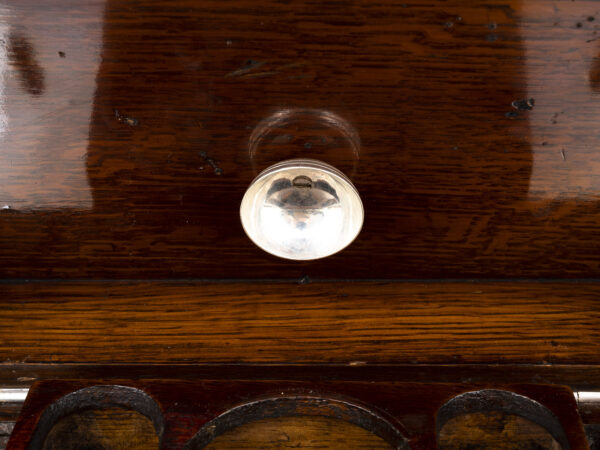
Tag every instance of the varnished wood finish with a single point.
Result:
(282, 323)
(110, 429)
(299, 432)
(125, 131)
(204, 404)
(125, 134)
(118, 430)
(578, 377)
(495, 430)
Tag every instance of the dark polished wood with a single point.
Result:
(193, 414)
(125, 131)
(576, 376)
(350, 323)
(129, 132)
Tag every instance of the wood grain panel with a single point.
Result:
(125, 130)
(354, 323)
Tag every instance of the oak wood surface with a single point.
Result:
(354, 323)
(495, 430)
(126, 146)
(108, 429)
(298, 432)
(125, 134)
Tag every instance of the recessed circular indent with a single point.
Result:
(299, 432)
(102, 416)
(492, 418)
(302, 209)
(299, 413)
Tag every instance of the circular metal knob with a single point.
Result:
(302, 209)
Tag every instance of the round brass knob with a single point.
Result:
(302, 209)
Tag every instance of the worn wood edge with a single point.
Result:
(488, 400)
(576, 376)
(293, 281)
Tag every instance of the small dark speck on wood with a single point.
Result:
(524, 104)
(304, 280)
(511, 114)
(131, 121)
(578, 24)
(590, 18)
(62, 54)
(492, 26)
(212, 163)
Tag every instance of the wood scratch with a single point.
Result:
(249, 66)
(249, 69)
(212, 163)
